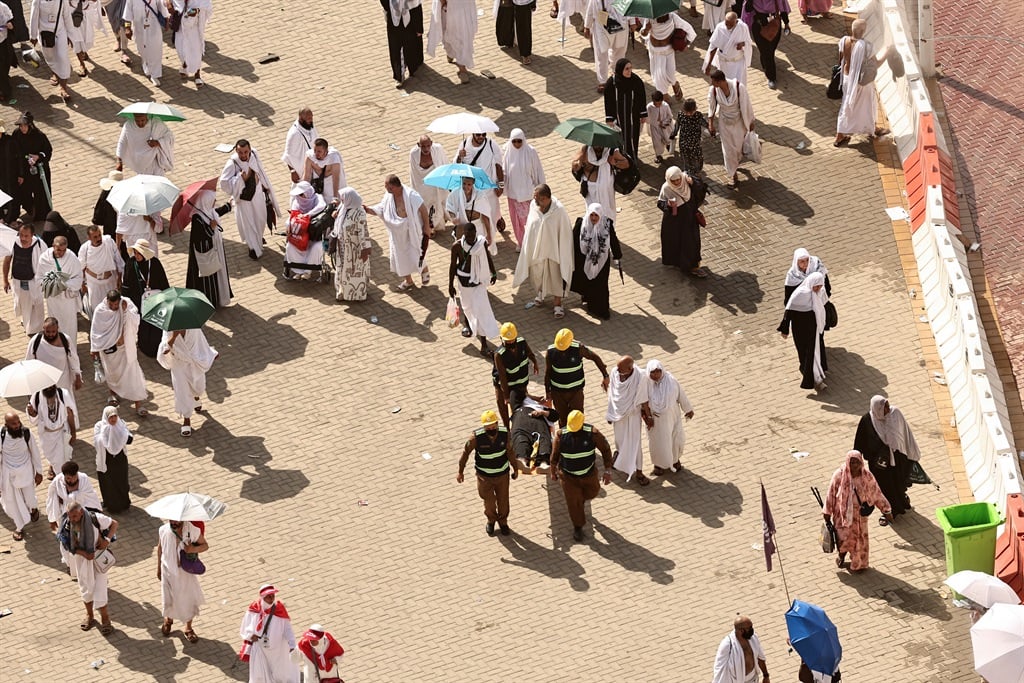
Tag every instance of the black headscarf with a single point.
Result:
(56, 225)
(620, 66)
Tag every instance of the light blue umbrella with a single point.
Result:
(449, 177)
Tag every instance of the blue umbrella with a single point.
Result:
(813, 635)
(449, 177)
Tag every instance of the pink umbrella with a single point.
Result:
(181, 212)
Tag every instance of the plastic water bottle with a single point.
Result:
(98, 375)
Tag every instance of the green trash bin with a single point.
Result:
(969, 530)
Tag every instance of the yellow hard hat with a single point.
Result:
(563, 338)
(509, 332)
(488, 417)
(575, 421)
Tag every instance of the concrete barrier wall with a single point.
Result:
(975, 389)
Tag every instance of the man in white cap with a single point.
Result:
(628, 410)
(60, 276)
(320, 655)
(146, 145)
(102, 266)
(268, 640)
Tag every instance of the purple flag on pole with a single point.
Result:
(768, 527)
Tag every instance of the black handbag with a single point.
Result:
(835, 84)
(865, 509)
(626, 179)
(77, 15)
(831, 316)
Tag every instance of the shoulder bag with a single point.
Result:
(190, 562)
(865, 509)
(679, 40)
(208, 262)
(868, 66)
(103, 560)
(626, 179)
(835, 83)
(831, 316)
(49, 38)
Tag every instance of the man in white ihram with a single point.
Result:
(69, 485)
(62, 293)
(113, 339)
(102, 266)
(406, 219)
(729, 49)
(146, 146)
(189, 356)
(546, 259)
(55, 348)
(21, 470)
(145, 20)
(268, 640)
(299, 141)
(627, 413)
(424, 157)
(53, 410)
(606, 26)
(245, 179)
(740, 655)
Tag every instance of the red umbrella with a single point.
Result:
(181, 212)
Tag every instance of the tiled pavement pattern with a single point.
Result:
(984, 105)
(302, 425)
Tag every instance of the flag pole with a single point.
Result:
(768, 524)
(782, 570)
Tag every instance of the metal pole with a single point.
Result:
(926, 38)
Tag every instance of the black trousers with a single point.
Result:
(766, 49)
(405, 44)
(31, 197)
(6, 62)
(515, 25)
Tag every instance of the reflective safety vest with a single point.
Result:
(566, 367)
(517, 363)
(577, 451)
(490, 457)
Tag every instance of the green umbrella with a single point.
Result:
(588, 132)
(177, 308)
(651, 9)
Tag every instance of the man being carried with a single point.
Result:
(532, 424)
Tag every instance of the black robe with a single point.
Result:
(138, 277)
(201, 239)
(104, 215)
(892, 479)
(789, 289)
(56, 226)
(625, 103)
(593, 292)
(8, 178)
(31, 195)
(680, 234)
(805, 338)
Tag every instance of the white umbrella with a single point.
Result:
(463, 123)
(4, 198)
(186, 507)
(26, 377)
(998, 642)
(154, 110)
(982, 588)
(143, 195)
(8, 236)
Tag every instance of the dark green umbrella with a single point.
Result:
(177, 308)
(588, 132)
(651, 9)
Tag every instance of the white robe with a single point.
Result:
(859, 107)
(732, 60)
(180, 592)
(133, 228)
(523, 171)
(99, 260)
(148, 34)
(404, 234)
(548, 237)
(663, 57)
(84, 37)
(488, 160)
(134, 150)
(459, 206)
(43, 17)
(66, 361)
(456, 28)
(92, 585)
(66, 305)
(668, 403)
(602, 190)
(659, 125)
(296, 144)
(270, 663)
(54, 433)
(19, 464)
(714, 14)
(57, 499)
(28, 303)
(733, 116)
(475, 303)
(729, 664)
(624, 402)
(123, 372)
(608, 47)
(333, 157)
(433, 197)
(190, 40)
(188, 360)
(250, 216)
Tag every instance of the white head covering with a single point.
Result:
(893, 429)
(349, 199)
(594, 241)
(662, 393)
(681, 192)
(806, 299)
(795, 276)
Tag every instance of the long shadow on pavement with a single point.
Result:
(919, 534)
(898, 593)
(773, 196)
(851, 382)
(631, 556)
(549, 562)
(692, 494)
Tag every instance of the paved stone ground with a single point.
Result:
(301, 423)
(984, 102)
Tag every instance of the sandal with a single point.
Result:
(405, 287)
(165, 629)
(191, 636)
(642, 479)
(200, 83)
(186, 430)
(425, 279)
(678, 466)
(18, 535)
(657, 472)
(559, 312)
(466, 332)
(841, 141)
(106, 628)
(113, 401)
(87, 624)
(141, 412)
(126, 60)
(554, 10)
(699, 273)
(882, 521)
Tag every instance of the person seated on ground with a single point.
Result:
(532, 423)
(308, 219)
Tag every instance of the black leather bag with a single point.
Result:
(865, 509)
(626, 179)
(835, 84)
(831, 316)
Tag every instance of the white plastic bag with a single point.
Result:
(451, 314)
(98, 375)
(752, 147)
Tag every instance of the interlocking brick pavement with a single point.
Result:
(301, 423)
(984, 104)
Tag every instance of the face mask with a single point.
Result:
(306, 124)
(749, 633)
